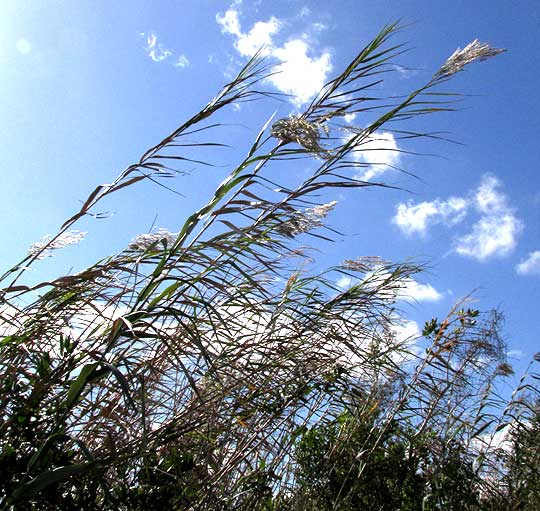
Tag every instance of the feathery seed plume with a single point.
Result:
(364, 264)
(43, 249)
(304, 221)
(143, 241)
(461, 57)
(297, 129)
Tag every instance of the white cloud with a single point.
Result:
(259, 36)
(407, 289)
(90, 321)
(380, 151)
(230, 23)
(156, 51)
(11, 320)
(406, 331)
(530, 265)
(503, 439)
(404, 72)
(345, 282)
(23, 46)
(182, 62)
(490, 443)
(495, 234)
(299, 74)
(515, 354)
(248, 43)
(318, 27)
(489, 200)
(491, 236)
(415, 218)
(413, 290)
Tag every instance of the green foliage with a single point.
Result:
(451, 481)
(350, 464)
(520, 487)
(167, 479)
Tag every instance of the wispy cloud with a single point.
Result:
(530, 265)
(405, 72)
(494, 234)
(159, 53)
(318, 26)
(515, 354)
(300, 73)
(181, 62)
(156, 51)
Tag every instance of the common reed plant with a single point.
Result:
(210, 368)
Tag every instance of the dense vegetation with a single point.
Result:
(212, 369)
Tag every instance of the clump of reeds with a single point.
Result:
(182, 371)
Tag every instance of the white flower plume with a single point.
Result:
(144, 241)
(43, 248)
(307, 220)
(461, 57)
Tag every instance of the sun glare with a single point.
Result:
(23, 46)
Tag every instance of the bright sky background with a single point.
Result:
(86, 86)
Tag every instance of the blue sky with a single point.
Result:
(87, 86)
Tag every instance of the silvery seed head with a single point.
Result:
(461, 57)
(304, 221)
(144, 241)
(43, 249)
(299, 130)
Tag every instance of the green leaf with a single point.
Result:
(429, 327)
(45, 479)
(76, 388)
(122, 381)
